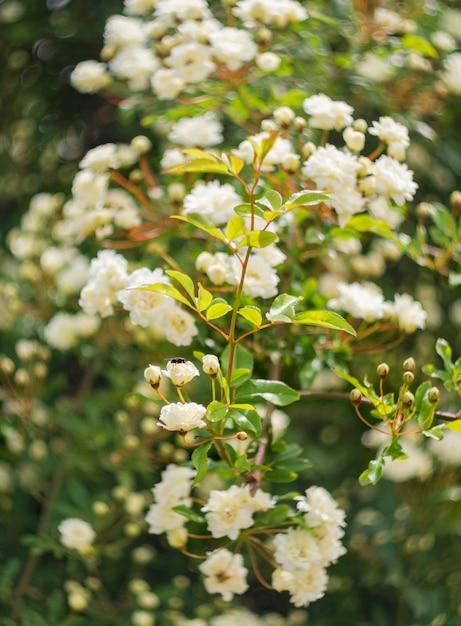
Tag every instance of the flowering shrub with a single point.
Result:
(237, 256)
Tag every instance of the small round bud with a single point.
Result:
(141, 144)
(130, 442)
(407, 399)
(408, 377)
(210, 365)
(455, 201)
(268, 125)
(148, 600)
(120, 492)
(354, 139)
(360, 125)
(268, 61)
(153, 375)
(382, 370)
(423, 211)
(433, 395)
(263, 36)
(6, 365)
(100, 508)
(77, 601)
(299, 124)
(136, 176)
(137, 585)
(308, 149)
(409, 365)
(132, 529)
(242, 435)
(176, 192)
(355, 397)
(284, 116)
(290, 162)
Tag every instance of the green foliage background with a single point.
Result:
(402, 567)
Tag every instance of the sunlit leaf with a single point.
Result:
(258, 239)
(324, 319)
(204, 298)
(218, 309)
(166, 290)
(184, 280)
(252, 314)
(309, 197)
(283, 308)
(235, 227)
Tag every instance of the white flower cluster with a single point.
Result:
(261, 278)
(171, 45)
(76, 534)
(173, 490)
(95, 208)
(108, 282)
(303, 554)
(230, 511)
(366, 301)
(67, 330)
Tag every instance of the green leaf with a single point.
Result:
(247, 421)
(373, 473)
(368, 392)
(455, 426)
(246, 210)
(192, 516)
(199, 222)
(419, 45)
(197, 153)
(443, 349)
(217, 411)
(234, 163)
(324, 319)
(239, 376)
(436, 432)
(271, 199)
(204, 298)
(306, 198)
(366, 224)
(202, 166)
(274, 391)
(252, 314)
(235, 227)
(218, 309)
(281, 476)
(283, 308)
(243, 359)
(166, 290)
(200, 461)
(258, 239)
(274, 516)
(184, 280)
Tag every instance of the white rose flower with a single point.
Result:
(452, 74)
(363, 301)
(76, 534)
(417, 465)
(72, 278)
(225, 574)
(408, 313)
(173, 10)
(304, 586)
(182, 417)
(135, 65)
(138, 7)
(178, 326)
(226, 512)
(90, 77)
(277, 12)
(180, 371)
(375, 68)
(447, 451)
(268, 61)
(212, 200)
(233, 47)
(296, 549)
(101, 158)
(89, 188)
(326, 113)
(210, 364)
(144, 306)
(199, 131)
(191, 62)
(393, 179)
(106, 276)
(123, 31)
(153, 375)
(60, 332)
(260, 280)
(166, 84)
(176, 483)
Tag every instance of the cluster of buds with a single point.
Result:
(395, 414)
